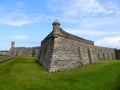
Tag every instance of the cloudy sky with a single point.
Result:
(27, 22)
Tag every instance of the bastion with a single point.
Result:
(61, 50)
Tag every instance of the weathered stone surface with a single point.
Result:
(46, 53)
(105, 53)
(36, 51)
(25, 51)
(117, 52)
(5, 58)
(61, 50)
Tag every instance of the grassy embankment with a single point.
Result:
(26, 74)
(2, 54)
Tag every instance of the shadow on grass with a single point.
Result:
(40, 65)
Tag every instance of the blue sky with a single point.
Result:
(27, 22)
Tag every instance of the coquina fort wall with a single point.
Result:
(24, 51)
(117, 52)
(61, 51)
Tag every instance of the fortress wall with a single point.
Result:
(64, 34)
(36, 52)
(5, 58)
(61, 50)
(69, 53)
(25, 51)
(117, 51)
(13, 51)
(105, 53)
(46, 52)
(21, 51)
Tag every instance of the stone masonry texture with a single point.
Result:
(117, 51)
(61, 50)
(5, 58)
(25, 51)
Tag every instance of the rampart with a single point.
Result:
(64, 34)
(61, 50)
(5, 58)
(104, 53)
(25, 51)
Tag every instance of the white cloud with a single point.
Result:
(5, 45)
(78, 8)
(108, 38)
(92, 32)
(24, 43)
(99, 23)
(113, 41)
(86, 7)
(16, 23)
(102, 38)
(18, 16)
(113, 6)
(20, 37)
(19, 19)
(20, 4)
(87, 14)
(67, 11)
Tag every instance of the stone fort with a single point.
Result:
(61, 51)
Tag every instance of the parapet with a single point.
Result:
(12, 44)
(57, 31)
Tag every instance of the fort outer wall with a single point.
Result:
(61, 50)
(25, 51)
(104, 53)
(117, 51)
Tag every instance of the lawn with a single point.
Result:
(2, 54)
(25, 73)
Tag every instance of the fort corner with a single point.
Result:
(61, 50)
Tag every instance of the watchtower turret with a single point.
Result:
(12, 44)
(56, 27)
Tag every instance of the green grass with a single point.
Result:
(2, 54)
(23, 73)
